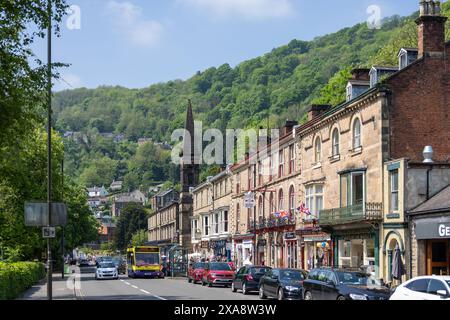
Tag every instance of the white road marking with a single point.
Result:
(146, 292)
(127, 283)
(135, 287)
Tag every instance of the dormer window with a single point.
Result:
(406, 56)
(373, 77)
(349, 92)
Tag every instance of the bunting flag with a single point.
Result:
(283, 214)
(304, 209)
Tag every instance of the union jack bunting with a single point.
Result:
(304, 209)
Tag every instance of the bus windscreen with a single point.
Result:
(145, 259)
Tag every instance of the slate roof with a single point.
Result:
(440, 201)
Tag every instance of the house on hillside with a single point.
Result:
(116, 186)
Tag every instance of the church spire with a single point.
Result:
(189, 169)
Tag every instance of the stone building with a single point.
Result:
(210, 224)
(344, 149)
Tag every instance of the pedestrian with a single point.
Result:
(248, 261)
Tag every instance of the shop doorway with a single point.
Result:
(438, 257)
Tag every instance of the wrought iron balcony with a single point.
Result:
(370, 211)
(272, 222)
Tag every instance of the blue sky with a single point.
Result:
(136, 43)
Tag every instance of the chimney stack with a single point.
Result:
(431, 28)
(316, 110)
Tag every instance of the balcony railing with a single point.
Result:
(370, 211)
(273, 222)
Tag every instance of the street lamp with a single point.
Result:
(49, 146)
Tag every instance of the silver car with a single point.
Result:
(106, 270)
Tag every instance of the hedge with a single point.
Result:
(15, 278)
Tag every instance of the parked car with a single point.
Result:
(106, 270)
(423, 288)
(247, 278)
(120, 264)
(284, 284)
(217, 273)
(342, 284)
(195, 272)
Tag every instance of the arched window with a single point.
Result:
(280, 200)
(292, 199)
(271, 203)
(356, 133)
(335, 140)
(318, 150)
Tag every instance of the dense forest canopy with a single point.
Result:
(263, 91)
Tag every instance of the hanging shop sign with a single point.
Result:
(290, 236)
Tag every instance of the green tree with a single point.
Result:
(133, 217)
(139, 238)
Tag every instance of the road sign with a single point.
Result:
(249, 200)
(48, 232)
(36, 214)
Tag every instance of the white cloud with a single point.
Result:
(251, 9)
(130, 21)
(68, 81)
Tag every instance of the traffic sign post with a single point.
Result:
(48, 232)
(249, 200)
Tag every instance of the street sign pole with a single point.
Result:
(49, 147)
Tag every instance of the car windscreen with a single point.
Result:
(199, 265)
(259, 271)
(144, 259)
(353, 278)
(220, 266)
(107, 265)
(448, 282)
(292, 275)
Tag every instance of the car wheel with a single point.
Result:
(308, 296)
(261, 293)
(280, 294)
(233, 288)
(244, 289)
(340, 298)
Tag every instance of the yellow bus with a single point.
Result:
(144, 261)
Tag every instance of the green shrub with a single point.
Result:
(19, 276)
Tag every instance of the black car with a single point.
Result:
(247, 278)
(120, 264)
(342, 284)
(282, 284)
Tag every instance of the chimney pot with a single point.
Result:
(437, 8)
(428, 154)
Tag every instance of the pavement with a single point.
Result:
(82, 285)
(63, 289)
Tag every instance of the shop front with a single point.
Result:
(290, 248)
(357, 249)
(317, 251)
(432, 235)
(220, 249)
(242, 248)
(261, 248)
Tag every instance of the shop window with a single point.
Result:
(393, 204)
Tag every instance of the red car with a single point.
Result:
(217, 273)
(195, 272)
